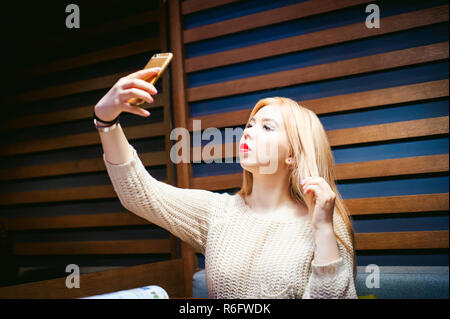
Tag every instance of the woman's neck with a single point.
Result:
(271, 193)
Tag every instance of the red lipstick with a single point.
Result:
(244, 148)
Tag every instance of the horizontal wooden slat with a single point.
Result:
(166, 274)
(73, 114)
(398, 204)
(402, 240)
(266, 18)
(393, 167)
(388, 132)
(375, 98)
(191, 6)
(75, 167)
(217, 182)
(376, 62)
(58, 195)
(338, 103)
(60, 90)
(82, 139)
(107, 247)
(318, 39)
(75, 221)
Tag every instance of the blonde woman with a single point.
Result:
(286, 234)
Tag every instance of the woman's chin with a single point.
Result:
(249, 164)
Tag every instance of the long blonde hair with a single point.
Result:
(312, 157)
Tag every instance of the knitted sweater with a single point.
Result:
(247, 255)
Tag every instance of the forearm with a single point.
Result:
(115, 146)
(326, 249)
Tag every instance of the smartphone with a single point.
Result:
(158, 60)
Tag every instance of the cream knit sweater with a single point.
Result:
(247, 255)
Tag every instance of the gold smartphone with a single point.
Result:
(158, 60)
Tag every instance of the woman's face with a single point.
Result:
(268, 144)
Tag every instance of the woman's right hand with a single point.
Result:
(131, 86)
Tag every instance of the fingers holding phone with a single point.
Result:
(158, 60)
(129, 87)
(133, 89)
(141, 80)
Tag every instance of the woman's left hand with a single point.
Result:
(323, 199)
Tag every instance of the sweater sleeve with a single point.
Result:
(336, 279)
(185, 213)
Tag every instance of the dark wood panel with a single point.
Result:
(266, 18)
(124, 218)
(73, 114)
(60, 90)
(82, 139)
(338, 103)
(318, 39)
(402, 240)
(166, 274)
(106, 247)
(127, 22)
(181, 114)
(377, 62)
(108, 54)
(75, 167)
(59, 195)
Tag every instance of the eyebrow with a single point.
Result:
(265, 119)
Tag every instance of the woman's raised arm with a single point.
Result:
(186, 213)
(114, 142)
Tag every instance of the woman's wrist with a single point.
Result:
(324, 228)
(102, 119)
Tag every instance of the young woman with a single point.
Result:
(285, 234)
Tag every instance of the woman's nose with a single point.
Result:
(247, 134)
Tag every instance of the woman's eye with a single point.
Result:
(265, 127)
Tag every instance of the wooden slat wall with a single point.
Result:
(382, 95)
(56, 199)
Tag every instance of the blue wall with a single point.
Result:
(392, 186)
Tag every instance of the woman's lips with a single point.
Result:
(244, 148)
